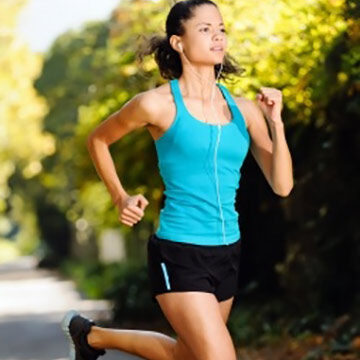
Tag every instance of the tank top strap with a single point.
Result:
(239, 118)
(179, 102)
(227, 94)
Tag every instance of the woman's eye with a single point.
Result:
(223, 30)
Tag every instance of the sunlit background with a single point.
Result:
(41, 21)
(65, 66)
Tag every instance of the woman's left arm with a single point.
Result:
(271, 154)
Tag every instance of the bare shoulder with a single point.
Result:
(248, 108)
(158, 103)
(144, 109)
(244, 104)
(154, 101)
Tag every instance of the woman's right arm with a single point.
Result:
(135, 113)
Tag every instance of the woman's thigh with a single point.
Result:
(197, 319)
(182, 351)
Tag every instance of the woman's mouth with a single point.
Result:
(217, 48)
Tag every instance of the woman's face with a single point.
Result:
(204, 41)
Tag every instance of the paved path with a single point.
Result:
(32, 304)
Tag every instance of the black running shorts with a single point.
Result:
(177, 266)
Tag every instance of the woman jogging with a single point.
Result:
(202, 134)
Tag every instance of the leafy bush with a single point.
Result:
(124, 283)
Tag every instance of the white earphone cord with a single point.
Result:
(217, 142)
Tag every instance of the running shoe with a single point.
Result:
(76, 327)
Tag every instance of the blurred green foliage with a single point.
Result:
(125, 283)
(23, 143)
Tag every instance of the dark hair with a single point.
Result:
(166, 57)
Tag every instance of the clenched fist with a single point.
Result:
(270, 103)
(131, 209)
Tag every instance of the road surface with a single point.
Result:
(32, 304)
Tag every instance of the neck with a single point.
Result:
(198, 86)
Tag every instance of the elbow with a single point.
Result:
(97, 138)
(91, 139)
(283, 192)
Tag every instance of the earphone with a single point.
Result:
(217, 142)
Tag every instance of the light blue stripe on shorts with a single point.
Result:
(163, 266)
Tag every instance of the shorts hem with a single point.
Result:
(219, 298)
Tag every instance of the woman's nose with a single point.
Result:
(218, 34)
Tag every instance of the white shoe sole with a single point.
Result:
(65, 327)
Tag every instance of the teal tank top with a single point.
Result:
(194, 210)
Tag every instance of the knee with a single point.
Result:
(228, 354)
(218, 346)
(212, 351)
(217, 350)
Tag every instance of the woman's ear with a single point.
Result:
(175, 43)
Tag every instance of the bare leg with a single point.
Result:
(150, 345)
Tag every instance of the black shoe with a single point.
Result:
(76, 328)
